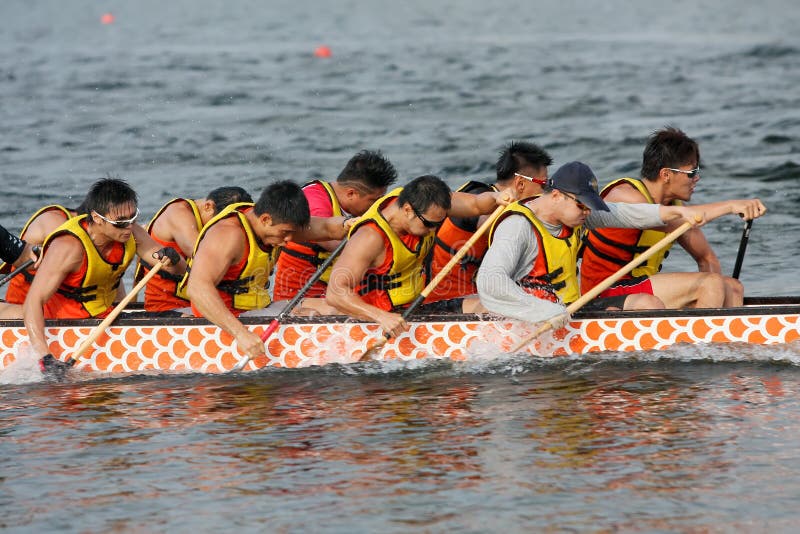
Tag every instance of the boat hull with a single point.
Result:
(193, 345)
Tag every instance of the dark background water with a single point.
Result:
(181, 97)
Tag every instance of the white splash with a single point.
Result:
(25, 367)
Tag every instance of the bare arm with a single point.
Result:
(364, 250)
(64, 256)
(695, 243)
(746, 208)
(469, 205)
(146, 246)
(324, 229)
(222, 247)
(177, 224)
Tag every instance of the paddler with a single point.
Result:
(363, 180)
(522, 167)
(177, 224)
(235, 252)
(669, 175)
(530, 270)
(380, 269)
(84, 259)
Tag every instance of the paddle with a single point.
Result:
(437, 279)
(737, 268)
(605, 284)
(22, 266)
(293, 303)
(56, 368)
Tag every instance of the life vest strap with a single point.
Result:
(82, 294)
(633, 249)
(310, 258)
(378, 282)
(237, 287)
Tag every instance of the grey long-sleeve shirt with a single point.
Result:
(515, 248)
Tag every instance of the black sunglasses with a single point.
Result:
(426, 222)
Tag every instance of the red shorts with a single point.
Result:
(629, 286)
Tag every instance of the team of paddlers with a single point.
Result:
(550, 238)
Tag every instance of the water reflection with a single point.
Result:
(302, 439)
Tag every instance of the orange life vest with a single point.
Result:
(161, 293)
(450, 238)
(605, 250)
(298, 262)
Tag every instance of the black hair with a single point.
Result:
(518, 154)
(285, 202)
(370, 169)
(668, 147)
(423, 192)
(224, 196)
(106, 193)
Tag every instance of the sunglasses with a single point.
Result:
(581, 205)
(691, 174)
(123, 223)
(539, 181)
(426, 222)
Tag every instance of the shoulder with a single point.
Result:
(624, 192)
(319, 201)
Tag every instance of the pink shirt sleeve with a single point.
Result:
(318, 201)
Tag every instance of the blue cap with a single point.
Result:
(577, 178)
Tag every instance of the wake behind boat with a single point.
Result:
(137, 344)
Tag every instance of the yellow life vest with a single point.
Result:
(51, 207)
(555, 270)
(403, 280)
(647, 238)
(250, 290)
(101, 279)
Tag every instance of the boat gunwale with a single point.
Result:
(752, 306)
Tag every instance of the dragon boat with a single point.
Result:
(192, 345)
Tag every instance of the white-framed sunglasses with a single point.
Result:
(123, 223)
(691, 174)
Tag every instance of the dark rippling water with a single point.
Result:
(180, 97)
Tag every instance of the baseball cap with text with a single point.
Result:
(577, 178)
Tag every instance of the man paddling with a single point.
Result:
(522, 167)
(235, 253)
(13, 251)
(177, 224)
(530, 270)
(380, 269)
(36, 229)
(84, 260)
(363, 180)
(669, 175)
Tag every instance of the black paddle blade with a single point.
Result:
(55, 369)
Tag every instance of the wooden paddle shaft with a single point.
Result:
(99, 329)
(608, 282)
